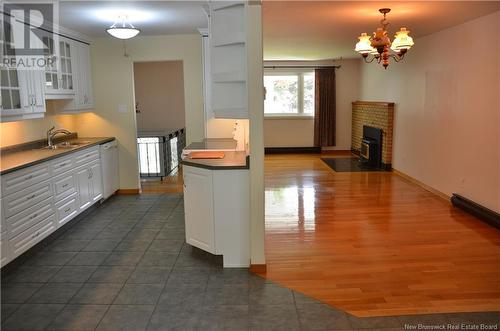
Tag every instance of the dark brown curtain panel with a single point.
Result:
(325, 112)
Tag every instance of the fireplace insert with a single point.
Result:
(371, 147)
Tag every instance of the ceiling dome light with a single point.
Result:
(125, 30)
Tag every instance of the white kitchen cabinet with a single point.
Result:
(4, 249)
(96, 181)
(22, 94)
(84, 188)
(89, 182)
(217, 209)
(59, 77)
(37, 200)
(83, 100)
(67, 209)
(198, 194)
(228, 69)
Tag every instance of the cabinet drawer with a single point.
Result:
(32, 236)
(64, 186)
(4, 250)
(26, 198)
(67, 209)
(62, 165)
(86, 156)
(29, 217)
(24, 178)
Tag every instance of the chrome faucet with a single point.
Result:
(51, 133)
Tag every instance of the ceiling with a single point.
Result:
(151, 17)
(311, 30)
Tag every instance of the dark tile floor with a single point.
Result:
(126, 267)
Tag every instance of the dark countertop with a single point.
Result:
(231, 161)
(12, 160)
(219, 144)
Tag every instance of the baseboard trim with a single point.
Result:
(258, 268)
(422, 185)
(128, 191)
(292, 150)
(487, 215)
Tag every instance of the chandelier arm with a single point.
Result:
(369, 61)
(397, 57)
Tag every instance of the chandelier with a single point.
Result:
(377, 47)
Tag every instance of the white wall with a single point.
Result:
(300, 132)
(256, 116)
(113, 85)
(447, 116)
(13, 133)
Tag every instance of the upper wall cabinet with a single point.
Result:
(59, 73)
(228, 70)
(22, 91)
(83, 98)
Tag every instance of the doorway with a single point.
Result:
(160, 116)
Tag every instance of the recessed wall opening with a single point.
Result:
(160, 116)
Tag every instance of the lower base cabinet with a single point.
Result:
(198, 195)
(217, 213)
(29, 213)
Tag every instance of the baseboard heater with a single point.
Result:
(487, 215)
(294, 150)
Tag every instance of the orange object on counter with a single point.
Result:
(206, 155)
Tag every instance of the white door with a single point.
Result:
(198, 208)
(96, 180)
(84, 188)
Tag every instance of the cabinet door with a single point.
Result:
(66, 65)
(16, 98)
(85, 76)
(37, 91)
(84, 188)
(198, 208)
(96, 180)
(51, 70)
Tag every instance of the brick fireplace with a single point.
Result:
(375, 114)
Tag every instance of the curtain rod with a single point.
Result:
(301, 67)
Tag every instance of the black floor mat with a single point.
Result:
(348, 165)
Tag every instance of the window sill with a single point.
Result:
(288, 117)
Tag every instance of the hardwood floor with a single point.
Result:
(375, 244)
(170, 184)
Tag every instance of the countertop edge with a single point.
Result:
(216, 167)
(25, 165)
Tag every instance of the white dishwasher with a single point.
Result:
(109, 163)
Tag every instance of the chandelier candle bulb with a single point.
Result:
(379, 46)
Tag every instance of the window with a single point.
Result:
(289, 93)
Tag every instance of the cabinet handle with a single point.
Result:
(33, 216)
(35, 235)
(65, 185)
(28, 177)
(62, 165)
(31, 197)
(67, 210)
